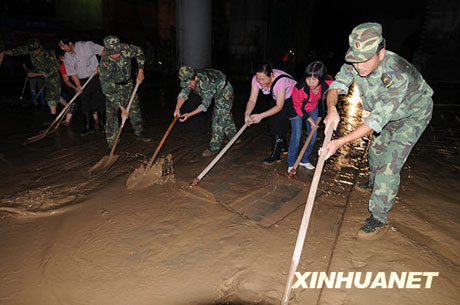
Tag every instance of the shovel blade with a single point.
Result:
(37, 137)
(196, 192)
(104, 164)
(144, 176)
(293, 177)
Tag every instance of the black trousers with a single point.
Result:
(92, 99)
(278, 124)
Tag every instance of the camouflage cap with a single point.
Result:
(112, 45)
(364, 41)
(186, 74)
(33, 44)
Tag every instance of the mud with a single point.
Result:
(72, 238)
(159, 173)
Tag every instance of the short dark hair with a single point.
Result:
(265, 67)
(317, 70)
(381, 45)
(66, 39)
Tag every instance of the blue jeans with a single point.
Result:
(296, 133)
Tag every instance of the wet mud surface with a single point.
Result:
(68, 237)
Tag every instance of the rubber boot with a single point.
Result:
(284, 145)
(276, 150)
(52, 117)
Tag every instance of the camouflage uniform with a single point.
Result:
(45, 63)
(117, 85)
(400, 106)
(212, 84)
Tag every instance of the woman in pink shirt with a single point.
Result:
(308, 98)
(279, 85)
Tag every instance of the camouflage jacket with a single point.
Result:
(115, 72)
(44, 62)
(394, 91)
(210, 84)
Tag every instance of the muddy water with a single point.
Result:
(72, 238)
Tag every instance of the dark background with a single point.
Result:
(244, 32)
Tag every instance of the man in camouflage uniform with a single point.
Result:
(400, 106)
(44, 64)
(117, 85)
(208, 84)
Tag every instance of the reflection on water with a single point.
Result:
(350, 157)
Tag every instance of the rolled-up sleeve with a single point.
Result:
(184, 93)
(18, 51)
(138, 54)
(343, 79)
(205, 103)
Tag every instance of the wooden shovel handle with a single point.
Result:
(123, 120)
(67, 107)
(306, 217)
(304, 147)
(221, 153)
(149, 165)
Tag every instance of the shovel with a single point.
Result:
(57, 121)
(217, 158)
(138, 175)
(291, 174)
(107, 161)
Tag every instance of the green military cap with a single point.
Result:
(33, 44)
(364, 41)
(186, 74)
(112, 45)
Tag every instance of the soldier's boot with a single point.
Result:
(364, 186)
(371, 228)
(142, 137)
(209, 153)
(276, 150)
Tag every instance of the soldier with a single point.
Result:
(45, 64)
(117, 85)
(208, 84)
(400, 106)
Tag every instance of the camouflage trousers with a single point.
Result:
(222, 120)
(113, 104)
(52, 89)
(388, 152)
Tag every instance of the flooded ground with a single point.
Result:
(67, 237)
